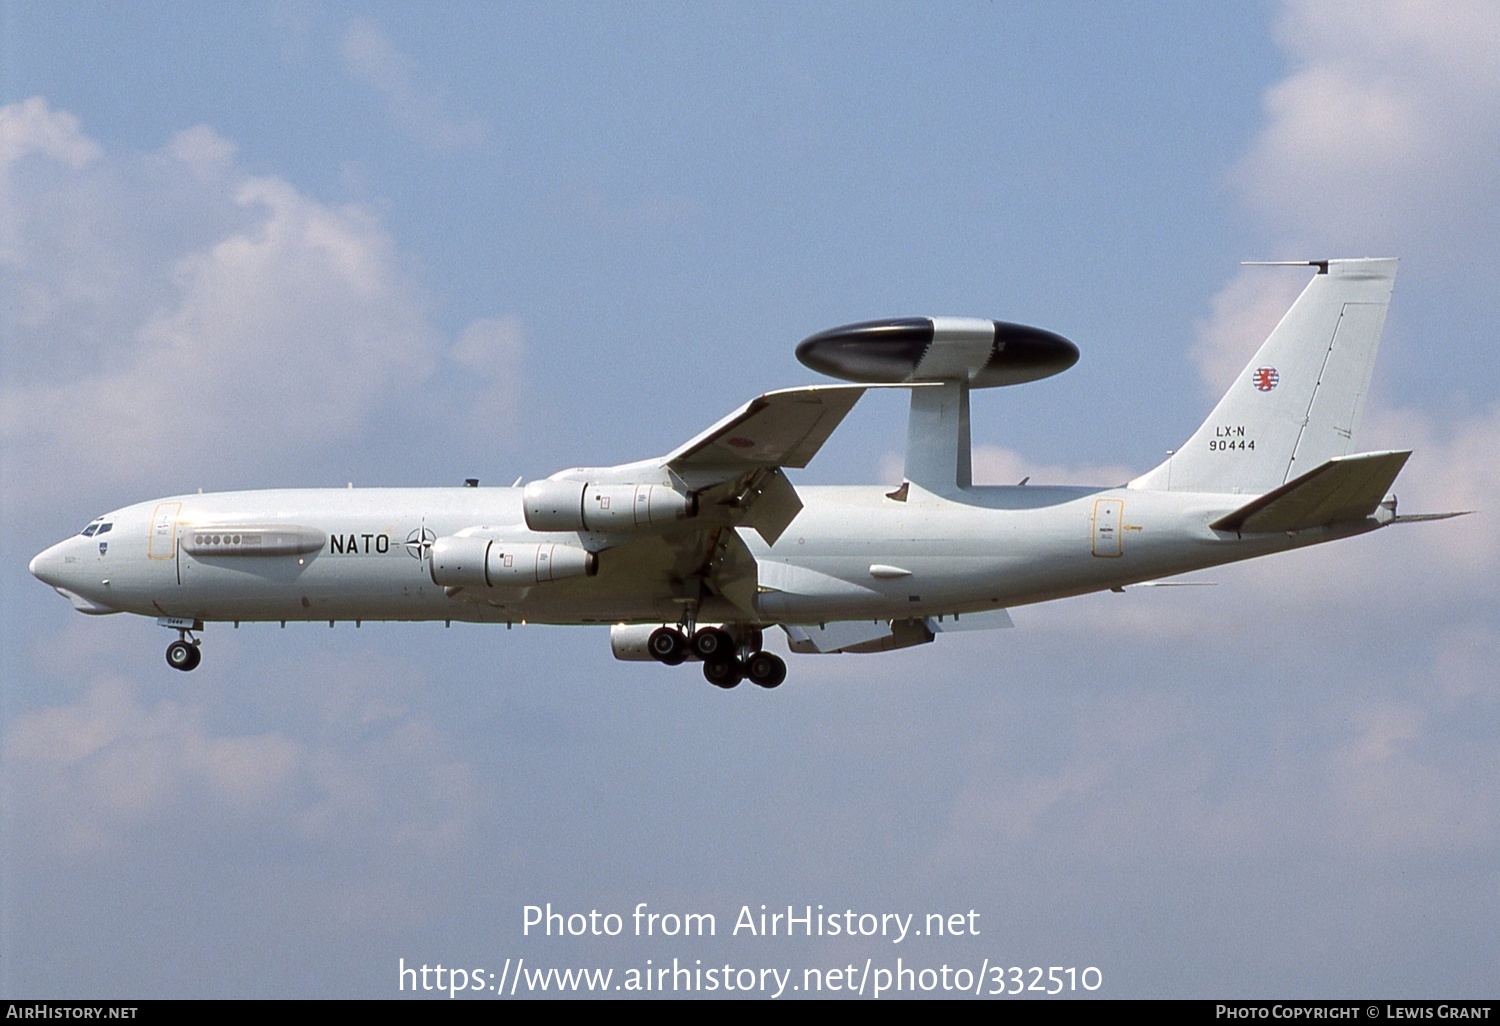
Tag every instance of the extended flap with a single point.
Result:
(991, 620)
(835, 636)
(732, 570)
(773, 505)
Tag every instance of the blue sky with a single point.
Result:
(290, 244)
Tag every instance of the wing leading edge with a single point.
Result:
(785, 428)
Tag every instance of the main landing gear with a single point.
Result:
(183, 654)
(726, 661)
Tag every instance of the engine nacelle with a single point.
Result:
(628, 641)
(488, 563)
(554, 505)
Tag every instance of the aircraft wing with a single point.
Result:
(735, 467)
(733, 472)
(785, 428)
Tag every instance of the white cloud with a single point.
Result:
(33, 127)
(273, 337)
(491, 344)
(1402, 782)
(371, 58)
(99, 771)
(1145, 772)
(99, 768)
(170, 311)
(203, 150)
(492, 352)
(996, 465)
(1387, 126)
(1333, 143)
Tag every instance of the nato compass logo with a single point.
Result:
(1265, 378)
(103, 548)
(419, 542)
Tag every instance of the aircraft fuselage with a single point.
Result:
(852, 553)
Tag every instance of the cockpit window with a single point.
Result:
(103, 528)
(88, 532)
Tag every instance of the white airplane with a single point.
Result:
(692, 554)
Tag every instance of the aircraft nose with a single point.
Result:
(46, 566)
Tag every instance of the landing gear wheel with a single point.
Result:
(667, 645)
(723, 673)
(183, 656)
(766, 669)
(712, 643)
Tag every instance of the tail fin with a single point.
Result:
(1297, 404)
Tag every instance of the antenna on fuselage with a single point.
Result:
(955, 354)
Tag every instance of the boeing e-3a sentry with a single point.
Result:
(692, 555)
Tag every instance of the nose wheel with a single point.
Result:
(184, 654)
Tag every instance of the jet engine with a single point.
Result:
(628, 641)
(458, 562)
(558, 505)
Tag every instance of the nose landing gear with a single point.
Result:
(184, 653)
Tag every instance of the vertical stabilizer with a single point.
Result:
(1298, 402)
(938, 453)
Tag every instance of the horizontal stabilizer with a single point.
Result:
(1343, 489)
(1419, 518)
